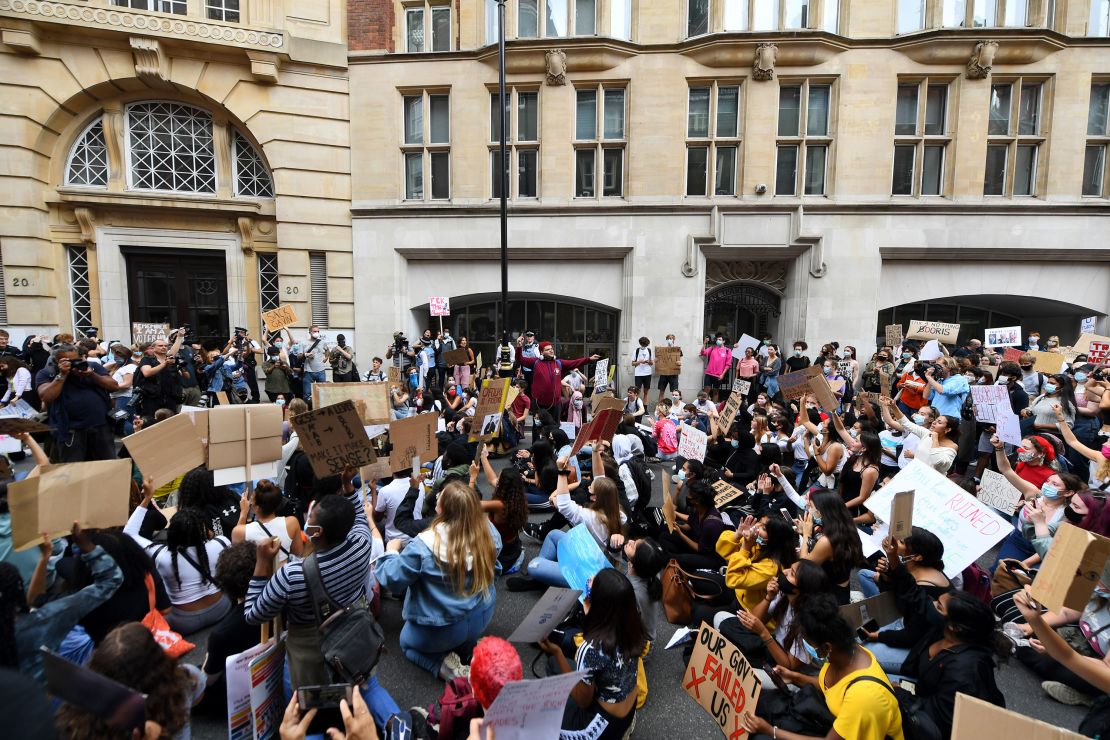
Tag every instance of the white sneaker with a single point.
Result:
(1065, 694)
(452, 667)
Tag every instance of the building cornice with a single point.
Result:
(102, 202)
(516, 253)
(1056, 254)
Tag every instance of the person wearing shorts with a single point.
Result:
(643, 361)
(668, 382)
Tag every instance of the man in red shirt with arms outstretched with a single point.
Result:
(547, 378)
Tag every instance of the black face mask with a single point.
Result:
(1072, 515)
(786, 588)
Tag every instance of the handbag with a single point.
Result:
(172, 642)
(1094, 624)
(1003, 581)
(351, 640)
(679, 594)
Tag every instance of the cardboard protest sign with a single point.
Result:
(165, 450)
(725, 493)
(882, 608)
(926, 330)
(692, 443)
(278, 318)
(599, 429)
(997, 492)
(375, 471)
(601, 374)
(1004, 336)
(580, 558)
(1012, 355)
(456, 357)
(808, 381)
(965, 525)
(1098, 353)
(1083, 344)
(17, 425)
(1072, 568)
(222, 399)
(1048, 362)
(412, 437)
(893, 334)
(901, 515)
(228, 436)
(975, 719)
(145, 332)
(722, 681)
(334, 437)
(393, 374)
(94, 494)
(597, 399)
(547, 614)
(741, 386)
(744, 343)
(731, 409)
(199, 416)
(884, 384)
(668, 360)
(491, 399)
(668, 505)
(439, 306)
(375, 407)
(530, 710)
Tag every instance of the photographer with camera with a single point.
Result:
(400, 352)
(158, 380)
(76, 396)
(246, 349)
(316, 353)
(188, 358)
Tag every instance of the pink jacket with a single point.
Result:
(720, 359)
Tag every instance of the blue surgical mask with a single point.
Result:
(735, 443)
(918, 419)
(828, 371)
(816, 519)
(853, 433)
(812, 651)
(1081, 377)
(1050, 491)
(1100, 591)
(760, 541)
(1050, 388)
(907, 355)
(797, 353)
(280, 402)
(720, 342)
(682, 475)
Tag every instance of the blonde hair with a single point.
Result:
(1102, 470)
(468, 538)
(607, 504)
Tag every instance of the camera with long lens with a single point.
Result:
(400, 342)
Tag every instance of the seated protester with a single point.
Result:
(741, 464)
(603, 518)
(633, 404)
(646, 560)
(562, 444)
(688, 472)
(859, 477)
(802, 442)
(762, 404)
(218, 505)
(691, 417)
(454, 464)
(267, 523)
(770, 497)
(129, 655)
(507, 509)
(184, 564)
(232, 635)
(389, 498)
(937, 445)
(28, 627)
(922, 554)
(131, 602)
(447, 572)
(829, 538)
(603, 704)
(956, 652)
(633, 476)
(769, 630)
(664, 432)
(543, 476)
(1098, 470)
(857, 691)
(693, 543)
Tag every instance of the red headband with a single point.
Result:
(1047, 450)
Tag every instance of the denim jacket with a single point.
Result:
(50, 624)
(431, 598)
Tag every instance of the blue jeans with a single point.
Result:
(867, 583)
(545, 566)
(426, 646)
(890, 658)
(1014, 547)
(309, 379)
(799, 468)
(377, 699)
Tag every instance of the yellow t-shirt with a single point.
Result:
(867, 711)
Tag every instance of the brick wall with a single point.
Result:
(370, 25)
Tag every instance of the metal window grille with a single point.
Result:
(251, 176)
(88, 163)
(171, 148)
(318, 277)
(80, 297)
(268, 296)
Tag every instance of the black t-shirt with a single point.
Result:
(797, 363)
(82, 403)
(164, 387)
(128, 604)
(223, 516)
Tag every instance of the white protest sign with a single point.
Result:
(743, 343)
(1098, 353)
(966, 526)
(240, 718)
(549, 611)
(439, 306)
(1087, 325)
(1004, 336)
(692, 443)
(743, 387)
(601, 374)
(999, 493)
(987, 400)
(931, 351)
(531, 710)
(569, 429)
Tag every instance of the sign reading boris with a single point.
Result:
(926, 330)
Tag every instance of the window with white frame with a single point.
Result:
(428, 27)
(600, 138)
(177, 7)
(88, 162)
(222, 10)
(555, 18)
(620, 19)
(80, 296)
(911, 16)
(1098, 140)
(170, 148)
(705, 16)
(991, 13)
(712, 138)
(252, 178)
(426, 145)
(491, 22)
(1099, 22)
(804, 138)
(921, 138)
(522, 143)
(1014, 137)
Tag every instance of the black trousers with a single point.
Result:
(83, 445)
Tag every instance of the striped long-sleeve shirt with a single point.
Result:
(343, 569)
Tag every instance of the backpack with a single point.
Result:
(641, 476)
(916, 725)
(351, 640)
(977, 582)
(457, 705)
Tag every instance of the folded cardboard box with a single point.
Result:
(227, 435)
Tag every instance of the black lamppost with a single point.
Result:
(504, 171)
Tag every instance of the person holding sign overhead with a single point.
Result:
(939, 441)
(948, 387)
(1099, 459)
(718, 359)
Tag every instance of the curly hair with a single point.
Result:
(235, 568)
(130, 656)
(510, 492)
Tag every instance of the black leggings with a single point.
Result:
(1050, 670)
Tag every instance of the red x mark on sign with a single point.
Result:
(694, 683)
(738, 730)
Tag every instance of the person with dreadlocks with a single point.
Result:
(24, 629)
(185, 563)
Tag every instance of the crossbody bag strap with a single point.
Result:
(195, 564)
(322, 604)
(270, 535)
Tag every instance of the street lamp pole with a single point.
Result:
(501, 102)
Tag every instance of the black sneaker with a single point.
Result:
(519, 583)
(534, 531)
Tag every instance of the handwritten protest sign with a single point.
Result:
(1047, 362)
(721, 680)
(668, 360)
(809, 381)
(145, 333)
(278, 318)
(975, 719)
(1003, 336)
(745, 342)
(580, 558)
(601, 374)
(372, 399)
(731, 409)
(334, 437)
(412, 437)
(1087, 325)
(95, 494)
(725, 493)
(992, 405)
(1083, 344)
(741, 386)
(893, 334)
(393, 375)
(439, 306)
(926, 330)
(965, 525)
(491, 398)
(530, 710)
(1071, 570)
(997, 492)
(1098, 353)
(548, 613)
(692, 444)
(167, 449)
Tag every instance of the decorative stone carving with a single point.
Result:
(246, 234)
(769, 273)
(86, 220)
(979, 66)
(151, 65)
(556, 63)
(763, 66)
(22, 36)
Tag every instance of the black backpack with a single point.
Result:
(351, 640)
(916, 724)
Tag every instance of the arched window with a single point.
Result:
(170, 147)
(88, 164)
(252, 179)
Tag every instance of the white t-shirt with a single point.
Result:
(390, 497)
(120, 375)
(642, 353)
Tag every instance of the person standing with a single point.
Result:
(669, 381)
(643, 363)
(187, 368)
(546, 387)
(159, 382)
(247, 348)
(717, 363)
(342, 359)
(77, 402)
(315, 353)
(527, 347)
(444, 343)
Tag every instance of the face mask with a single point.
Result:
(1050, 388)
(918, 419)
(735, 443)
(828, 371)
(677, 398)
(315, 335)
(1050, 491)
(760, 541)
(280, 402)
(812, 651)
(1026, 368)
(446, 335)
(1102, 592)
(578, 404)
(817, 519)
(670, 342)
(1081, 377)
(682, 475)
(797, 353)
(1050, 343)
(786, 588)
(279, 345)
(907, 355)
(848, 354)
(720, 342)
(853, 433)
(1026, 456)
(1072, 515)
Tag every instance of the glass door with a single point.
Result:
(180, 289)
